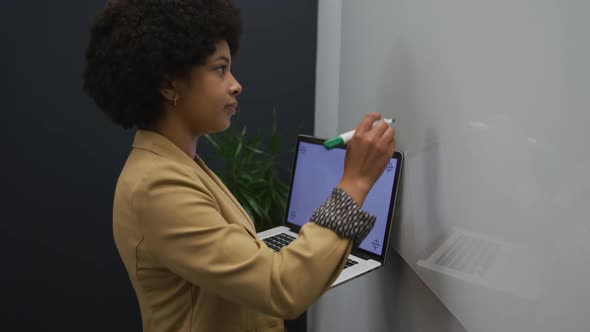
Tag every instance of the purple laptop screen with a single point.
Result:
(318, 171)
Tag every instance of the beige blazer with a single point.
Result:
(192, 254)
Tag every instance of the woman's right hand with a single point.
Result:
(367, 154)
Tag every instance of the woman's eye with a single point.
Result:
(222, 69)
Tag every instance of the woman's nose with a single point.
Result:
(236, 87)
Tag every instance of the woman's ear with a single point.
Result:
(169, 91)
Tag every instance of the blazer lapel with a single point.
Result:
(160, 145)
(251, 229)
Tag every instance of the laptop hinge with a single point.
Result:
(361, 254)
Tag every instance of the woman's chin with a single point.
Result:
(227, 119)
(228, 122)
(223, 126)
(224, 122)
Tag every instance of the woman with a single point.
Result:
(191, 252)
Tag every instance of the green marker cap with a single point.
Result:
(334, 142)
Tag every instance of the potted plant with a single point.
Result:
(250, 170)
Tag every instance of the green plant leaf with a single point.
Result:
(255, 150)
(212, 141)
(238, 149)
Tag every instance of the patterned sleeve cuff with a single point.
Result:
(341, 214)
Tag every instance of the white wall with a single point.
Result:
(492, 100)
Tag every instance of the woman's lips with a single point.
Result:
(232, 107)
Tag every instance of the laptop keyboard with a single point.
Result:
(276, 242)
(350, 263)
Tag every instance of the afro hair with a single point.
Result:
(137, 45)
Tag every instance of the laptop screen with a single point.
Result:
(318, 171)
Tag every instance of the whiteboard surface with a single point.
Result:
(492, 108)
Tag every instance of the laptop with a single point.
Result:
(315, 173)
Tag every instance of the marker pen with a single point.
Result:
(344, 138)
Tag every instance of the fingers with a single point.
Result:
(386, 143)
(389, 135)
(367, 123)
(377, 132)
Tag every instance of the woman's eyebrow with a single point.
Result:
(223, 57)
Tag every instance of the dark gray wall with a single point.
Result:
(61, 156)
